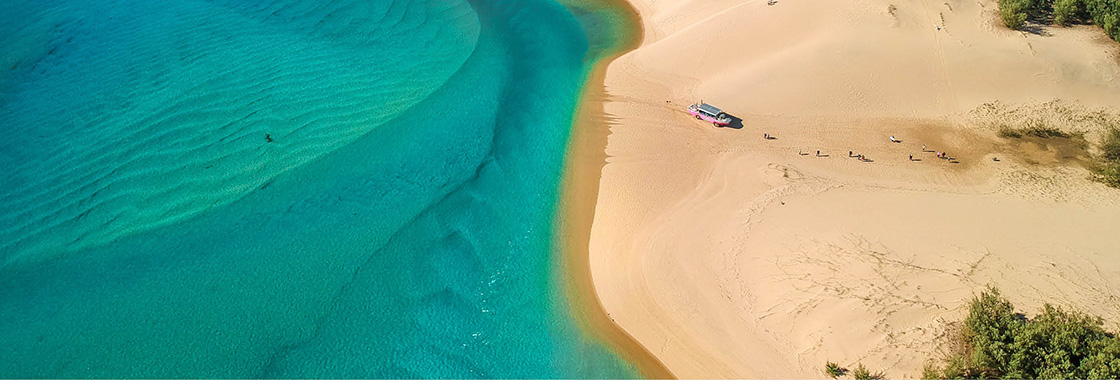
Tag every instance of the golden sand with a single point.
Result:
(727, 255)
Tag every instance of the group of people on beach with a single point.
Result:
(862, 158)
(850, 154)
(940, 154)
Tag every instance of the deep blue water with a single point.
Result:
(286, 188)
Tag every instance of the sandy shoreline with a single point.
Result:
(585, 157)
(581, 182)
(727, 255)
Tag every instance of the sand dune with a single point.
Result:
(727, 255)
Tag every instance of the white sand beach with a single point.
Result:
(727, 255)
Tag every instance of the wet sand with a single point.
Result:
(583, 167)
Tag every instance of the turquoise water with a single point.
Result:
(287, 188)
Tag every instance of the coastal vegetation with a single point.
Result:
(995, 341)
(1088, 137)
(860, 373)
(1013, 13)
(1036, 129)
(1103, 13)
(1106, 165)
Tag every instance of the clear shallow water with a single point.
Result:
(398, 225)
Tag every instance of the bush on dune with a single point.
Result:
(1013, 13)
(1106, 172)
(1067, 12)
(1106, 167)
(1035, 128)
(1103, 13)
(862, 373)
(930, 371)
(1001, 343)
(1110, 145)
(834, 370)
(1056, 344)
(1106, 14)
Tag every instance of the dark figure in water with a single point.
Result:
(268, 137)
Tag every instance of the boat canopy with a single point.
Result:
(710, 109)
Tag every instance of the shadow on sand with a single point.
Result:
(736, 123)
(1036, 29)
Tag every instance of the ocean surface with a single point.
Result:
(289, 188)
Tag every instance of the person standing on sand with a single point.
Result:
(849, 153)
(818, 153)
(911, 157)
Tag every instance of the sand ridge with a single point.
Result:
(727, 255)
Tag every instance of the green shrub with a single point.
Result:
(957, 368)
(1106, 172)
(1103, 13)
(1106, 166)
(1105, 364)
(931, 372)
(1067, 11)
(1110, 144)
(834, 370)
(1013, 13)
(861, 373)
(1054, 344)
(990, 329)
(1106, 14)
